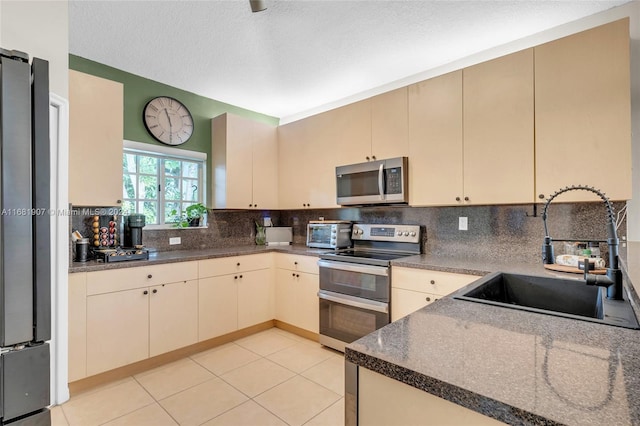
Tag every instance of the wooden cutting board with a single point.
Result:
(573, 269)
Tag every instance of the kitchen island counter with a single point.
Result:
(515, 366)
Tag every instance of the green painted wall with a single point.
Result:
(139, 90)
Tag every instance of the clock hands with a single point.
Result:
(170, 126)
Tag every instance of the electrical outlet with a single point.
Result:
(175, 240)
(463, 223)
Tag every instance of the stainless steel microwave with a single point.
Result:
(373, 182)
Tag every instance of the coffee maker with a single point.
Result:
(133, 225)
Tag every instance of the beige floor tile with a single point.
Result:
(254, 378)
(57, 417)
(203, 402)
(297, 400)
(108, 403)
(247, 414)
(266, 342)
(329, 373)
(151, 415)
(172, 378)
(225, 358)
(300, 357)
(292, 336)
(332, 416)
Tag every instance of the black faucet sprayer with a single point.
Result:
(613, 279)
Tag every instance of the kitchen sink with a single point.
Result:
(550, 296)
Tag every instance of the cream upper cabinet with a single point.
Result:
(373, 129)
(582, 89)
(95, 140)
(307, 158)
(435, 140)
(244, 155)
(498, 145)
(389, 125)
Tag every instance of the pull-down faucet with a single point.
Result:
(613, 280)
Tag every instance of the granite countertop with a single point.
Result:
(156, 258)
(516, 366)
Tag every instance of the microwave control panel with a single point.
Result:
(393, 180)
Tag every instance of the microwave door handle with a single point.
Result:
(381, 181)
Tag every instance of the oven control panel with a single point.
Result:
(378, 232)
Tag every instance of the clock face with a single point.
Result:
(168, 120)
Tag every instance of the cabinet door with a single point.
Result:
(404, 302)
(265, 166)
(77, 326)
(297, 299)
(355, 137)
(424, 280)
(256, 298)
(173, 316)
(389, 125)
(117, 329)
(435, 141)
(498, 130)
(583, 113)
(217, 306)
(231, 153)
(293, 154)
(95, 137)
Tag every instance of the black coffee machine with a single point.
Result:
(133, 225)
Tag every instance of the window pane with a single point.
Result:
(150, 210)
(172, 167)
(170, 211)
(128, 186)
(171, 188)
(128, 207)
(129, 163)
(190, 190)
(148, 165)
(148, 187)
(189, 169)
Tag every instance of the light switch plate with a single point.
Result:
(463, 223)
(175, 240)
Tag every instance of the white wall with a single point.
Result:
(41, 29)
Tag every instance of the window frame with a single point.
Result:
(163, 153)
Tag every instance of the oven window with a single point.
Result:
(368, 286)
(348, 323)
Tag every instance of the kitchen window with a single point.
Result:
(161, 182)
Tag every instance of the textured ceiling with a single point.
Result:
(298, 55)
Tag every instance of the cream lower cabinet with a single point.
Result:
(413, 289)
(77, 326)
(135, 313)
(384, 401)
(234, 293)
(173, 317)
(297, 284)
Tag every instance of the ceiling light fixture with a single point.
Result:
(257, 5)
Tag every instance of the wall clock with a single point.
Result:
(168, 120)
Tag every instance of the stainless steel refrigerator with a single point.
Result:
(25, 228)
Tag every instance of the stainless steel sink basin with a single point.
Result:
(550, 296)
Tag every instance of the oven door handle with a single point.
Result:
(381, 180)
(350, 267)
(356, 302)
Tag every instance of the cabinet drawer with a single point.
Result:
(427, 281)
(129, 278)
(230, 265)
(296, 262)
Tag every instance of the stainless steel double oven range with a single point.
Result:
(355, 283)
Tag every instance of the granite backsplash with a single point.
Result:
(509, 231)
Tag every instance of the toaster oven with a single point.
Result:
(329, 234)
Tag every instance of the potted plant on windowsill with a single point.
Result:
(195, 214)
